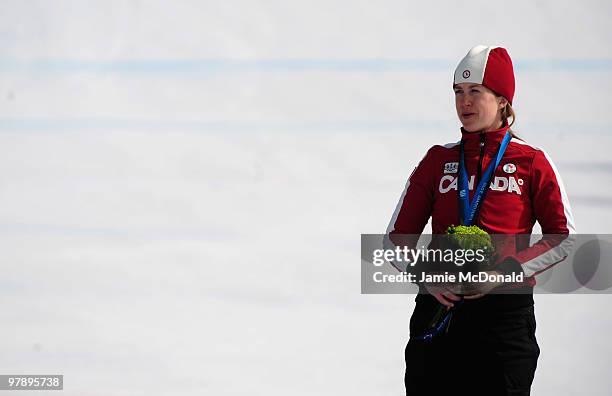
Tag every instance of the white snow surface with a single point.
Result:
(183, 185)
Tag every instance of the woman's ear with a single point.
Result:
(501, 104)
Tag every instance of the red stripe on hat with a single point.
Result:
(499, 73)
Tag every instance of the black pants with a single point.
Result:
(489, 349)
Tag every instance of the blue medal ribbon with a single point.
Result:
(469, 210)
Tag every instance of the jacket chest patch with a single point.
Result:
(451, 167)
(509, 168)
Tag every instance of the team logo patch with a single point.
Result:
(509, 168)
(466, 74)
(451, 167)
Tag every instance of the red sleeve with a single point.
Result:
(550, 203)
(552, 210)
(414, 207)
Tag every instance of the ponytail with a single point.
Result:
(507, 113)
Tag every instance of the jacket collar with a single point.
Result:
(472, 139)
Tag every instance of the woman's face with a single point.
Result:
(477, 107)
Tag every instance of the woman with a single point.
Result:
(494, 180)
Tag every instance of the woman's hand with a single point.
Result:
(483, 288)
(442, 294)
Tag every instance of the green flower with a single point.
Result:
(471, 237)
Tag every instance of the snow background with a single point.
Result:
(183, 185)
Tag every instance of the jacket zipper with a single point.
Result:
(482, 145)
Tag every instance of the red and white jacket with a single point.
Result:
(525, 188)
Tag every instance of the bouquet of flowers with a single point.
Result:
(471, 237)
(471, 241)
(464, 238)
